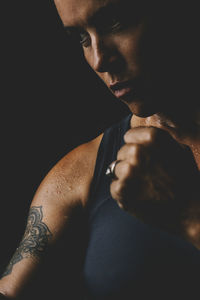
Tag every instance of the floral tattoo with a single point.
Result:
(34, 241)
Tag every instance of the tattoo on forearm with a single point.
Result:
(34, 241)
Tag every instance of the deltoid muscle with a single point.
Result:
(35, 239)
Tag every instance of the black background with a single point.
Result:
(50, 102)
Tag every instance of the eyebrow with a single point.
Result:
(70, 30)
(104, 12)
(114, 9)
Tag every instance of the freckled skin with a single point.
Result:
(127, 54)
(163, 141)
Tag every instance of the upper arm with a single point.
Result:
(65, 188)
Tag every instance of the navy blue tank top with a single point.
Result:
(126, 259)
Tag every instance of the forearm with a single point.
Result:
(44, 227)
(17, 276)
(28, 255)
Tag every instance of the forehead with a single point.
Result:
(78, 12)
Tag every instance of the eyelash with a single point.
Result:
(84, 37)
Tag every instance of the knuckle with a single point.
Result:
(129, 134)
(137, 154)
(143, 135)
(129, 152)
(134, 153)
(117, 190)
(121, 155)
(127, 170)
(133, 149)
(159, 135)
(151, 134)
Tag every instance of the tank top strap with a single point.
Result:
(111, 142)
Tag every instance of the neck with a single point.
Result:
(182, 127)
(187, 132)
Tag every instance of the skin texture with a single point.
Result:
(62, 194)
(114, 53)
(117, 54)
(35, 240)
(160, 173)
(163, 142)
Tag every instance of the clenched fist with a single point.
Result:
(156, 178)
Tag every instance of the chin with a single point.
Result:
(141, 108)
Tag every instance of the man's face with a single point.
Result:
(112, 35)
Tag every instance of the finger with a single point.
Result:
(110, 172)
(133, 153)
(125, 194)
(117, 190)
(140, 135)
(151, 136)
(124, 171)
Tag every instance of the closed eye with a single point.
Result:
(112, 26)
(78, 36)
(107, 20)
(109, 26)
(84, 38)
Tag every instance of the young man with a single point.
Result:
(146, 235)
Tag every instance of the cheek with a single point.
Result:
(129, 50)
(129, 47)
(87, 56)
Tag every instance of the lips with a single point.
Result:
(121, 89)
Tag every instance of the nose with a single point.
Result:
(104, 56)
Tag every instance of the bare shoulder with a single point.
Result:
(68, 182)
(52, 211)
